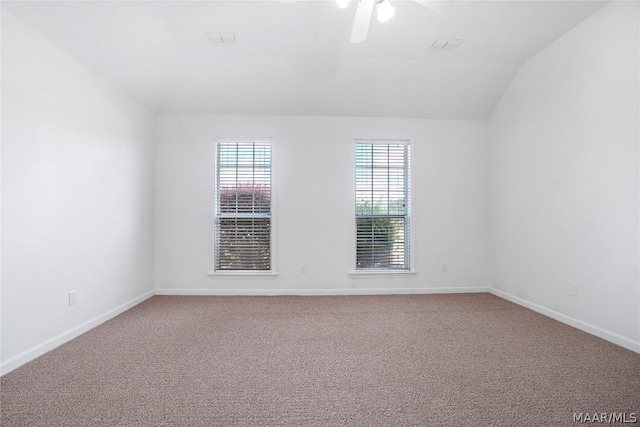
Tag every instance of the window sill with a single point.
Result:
(365, 274)
(243, 274)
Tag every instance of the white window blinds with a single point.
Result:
(382, 205)
(243, 206)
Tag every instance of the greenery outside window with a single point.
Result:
(242, 235)
(382, 205)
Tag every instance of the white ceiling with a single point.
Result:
(296, 59)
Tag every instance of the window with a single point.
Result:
(242, 240)
(382, 205)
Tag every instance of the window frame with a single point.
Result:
(272, 272)
(359, 273)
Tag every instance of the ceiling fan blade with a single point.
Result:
(362, 21)
(436, 5)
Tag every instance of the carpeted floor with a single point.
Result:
(415, 360)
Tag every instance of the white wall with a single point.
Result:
(314, 184)
(564, 177)
(77, 164)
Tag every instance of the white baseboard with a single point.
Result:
(40, 349)
(571, 321)
(309, 292)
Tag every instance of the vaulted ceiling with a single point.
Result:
(296, 58)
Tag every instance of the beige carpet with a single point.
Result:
(421, 360)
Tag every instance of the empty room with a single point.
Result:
(320, 213)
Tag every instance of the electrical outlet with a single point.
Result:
(573, 289)
(303, 269)
(443, 269)
(72, 297)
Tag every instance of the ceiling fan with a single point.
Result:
(385, 11)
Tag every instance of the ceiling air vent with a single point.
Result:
(446, 44)
(221, 38)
